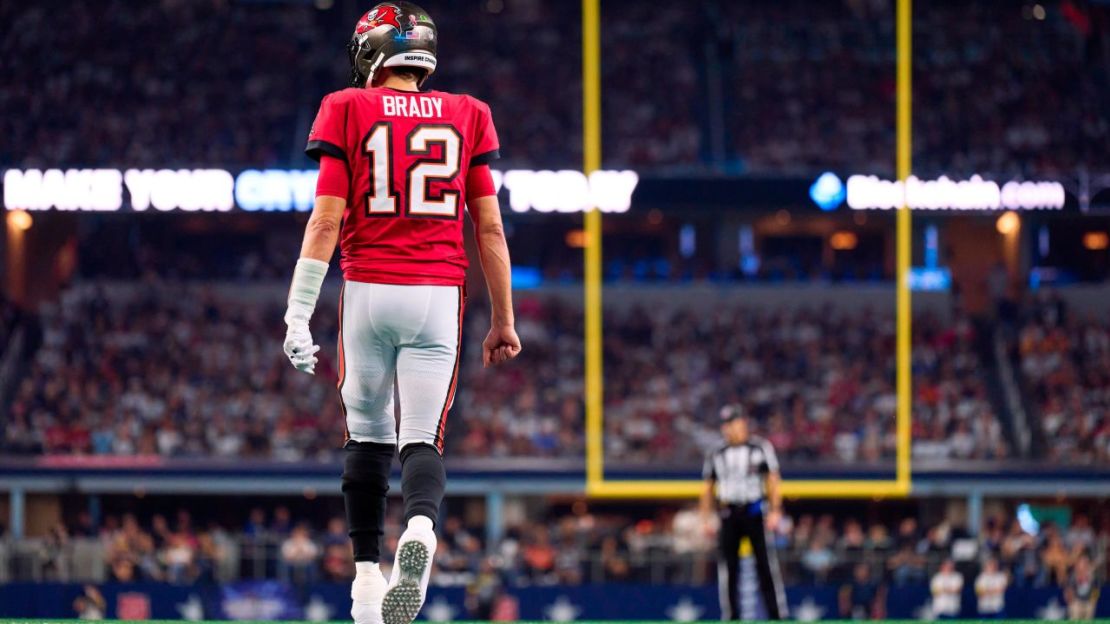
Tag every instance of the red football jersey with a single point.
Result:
(409, 154)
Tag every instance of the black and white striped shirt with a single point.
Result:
(739, 470)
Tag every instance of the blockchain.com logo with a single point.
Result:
(827, 192)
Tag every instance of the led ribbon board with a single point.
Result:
(280, 190)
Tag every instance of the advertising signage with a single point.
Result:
(830, 192)
(532, 192)
(976, 193)
(279, 190)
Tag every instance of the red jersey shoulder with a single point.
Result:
(483, 136)
(344, 99)
(357, 97)
(479, 105)
(328, 134)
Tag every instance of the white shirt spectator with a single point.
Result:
(299, 549)
(990, 587)
(946, 588)
(690, 535)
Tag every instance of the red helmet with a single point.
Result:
(392, 34)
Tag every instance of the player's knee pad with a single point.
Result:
(423, 480)
(366, 467)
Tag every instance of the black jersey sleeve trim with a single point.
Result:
(316, 149)
(485, 158)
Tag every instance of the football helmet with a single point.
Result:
(392, 34)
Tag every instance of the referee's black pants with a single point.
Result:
(737, 522)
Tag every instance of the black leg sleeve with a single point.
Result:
(423, 480)
(728, 567)
(365, 483)
(767, 568)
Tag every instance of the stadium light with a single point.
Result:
(1096, 241)
(1008, 223)
(843, 240)
(20, 220)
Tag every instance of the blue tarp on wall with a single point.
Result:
(274, 600)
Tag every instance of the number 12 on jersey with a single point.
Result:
(382, 200)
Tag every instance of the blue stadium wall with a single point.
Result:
(275, 600)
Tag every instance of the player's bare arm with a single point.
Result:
(322, 231)
(502, 343)
(320, 236)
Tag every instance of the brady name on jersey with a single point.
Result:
(408, 106)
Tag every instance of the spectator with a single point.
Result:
(947, 589)
(90, 605)
(614, 559)
(539, 556)
(1080, 533)
(862, 598)
(210, 557)
(990, 590)
(282, 523)
(878, 538)
(336, 534)
(54, 555)
(338, 562)
(1081, 591)
(906, 566)
(1054, 559)
(692, 533)
(483, 592)
(818, 560)
(179, 556)
(256, 523)
(298, 556)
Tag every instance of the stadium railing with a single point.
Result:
(251, 558)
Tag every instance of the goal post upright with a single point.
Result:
(903, 226)
(591, 157)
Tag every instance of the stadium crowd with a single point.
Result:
(188, 371)
(10, 315)
(165, 371)
(820, 75)
(578, 545)
(248, 76)
(820, 382)
(1065, 360)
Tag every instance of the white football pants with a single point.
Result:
(406, 337)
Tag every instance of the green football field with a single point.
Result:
(481, 622)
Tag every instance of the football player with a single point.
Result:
(397, 168)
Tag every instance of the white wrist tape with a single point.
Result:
(308, 277)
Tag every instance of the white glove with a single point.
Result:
(298, 345)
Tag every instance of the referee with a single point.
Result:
(744, 475)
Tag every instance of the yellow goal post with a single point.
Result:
(597, 486)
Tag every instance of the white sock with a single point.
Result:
(366, 567)
(421, 523)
